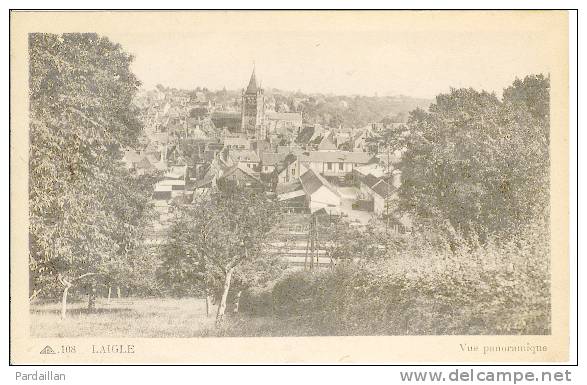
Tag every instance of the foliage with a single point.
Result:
(86, 211)
(425, 287)
(475, 163)
(345, 243)
(355, 111)
(227, 229)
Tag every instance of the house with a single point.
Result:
(237, 141)
(308, 134)
(291, 170)
(246, 158)
(359, 173)
(371, 168)
(380, 191)
(271, 161)
(334, 163)
(326, 143)
(319, 192)
(144, 161)
(242, 176)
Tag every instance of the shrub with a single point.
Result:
(430, 286)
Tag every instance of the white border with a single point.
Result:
(262, 375)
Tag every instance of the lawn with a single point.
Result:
(151, 317)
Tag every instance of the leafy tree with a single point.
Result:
(81, 116)
(479, 164)
(217, 237)
(388, 142)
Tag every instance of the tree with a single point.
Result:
(478, 164)
(388, 142)
(219, 236)
(130, 212)
(81, 116)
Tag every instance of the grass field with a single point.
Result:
(156, 317)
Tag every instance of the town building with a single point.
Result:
(291, 170)
(319, 192)
(253, 110)
(334, 163)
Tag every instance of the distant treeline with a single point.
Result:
(327, 109)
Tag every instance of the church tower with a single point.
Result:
(253, 110)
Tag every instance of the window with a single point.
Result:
(341, 166)
(293, 171)
(329, 165)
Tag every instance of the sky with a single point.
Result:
(418, 54)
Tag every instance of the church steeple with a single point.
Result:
(252, 87)
(253, 109)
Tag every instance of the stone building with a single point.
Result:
(253, 110)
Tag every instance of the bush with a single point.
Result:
(427, 287)
(258, 301)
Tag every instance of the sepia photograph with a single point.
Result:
(232, 175)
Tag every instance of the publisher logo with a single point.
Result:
(47, 350)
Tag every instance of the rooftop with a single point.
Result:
(312, 181)
(336, 156)
(252, 87)
(272, 158)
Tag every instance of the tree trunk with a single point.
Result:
(118, 291)
(64, 302)
(109, 293)
(222, 304)
(92, 298)
(208, 304)
(208, 299)
(237, 301)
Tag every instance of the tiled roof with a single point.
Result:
(383, 189)
(272, 158)
(312, 181)
(243, 155)
(371, 180)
